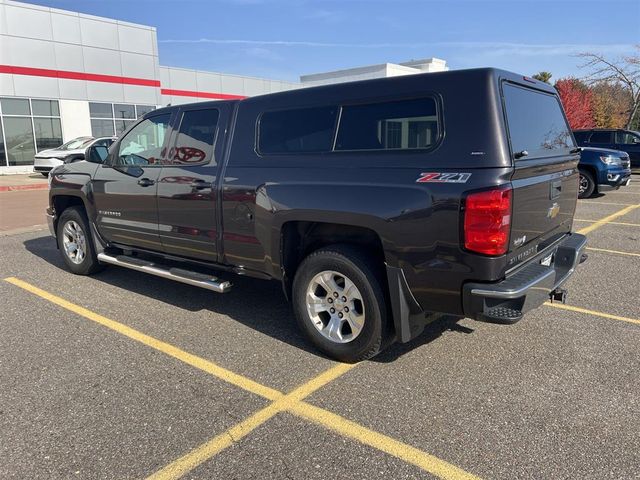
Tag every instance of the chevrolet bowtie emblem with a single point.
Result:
(553, 211)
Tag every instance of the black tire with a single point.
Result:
(89, 263)
(587, 184)
(360, 270)
(44, 174)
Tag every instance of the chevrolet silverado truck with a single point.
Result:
(376, 204)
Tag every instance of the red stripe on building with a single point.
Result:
(90, 77)
(191, 93)
(95, 77)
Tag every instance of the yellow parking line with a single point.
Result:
(617, 252)
(204, 452)
(608, 218)
(292, 402)
(592, 312)
(609, 223)
(381, 442)
(591, 202)
(188, 358)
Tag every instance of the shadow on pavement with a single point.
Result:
(266, 310)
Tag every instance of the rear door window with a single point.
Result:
(601, 137)
(536, 123)
(197, 133)
(627, 138)
(398, 125)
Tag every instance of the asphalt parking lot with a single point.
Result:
(123, 375)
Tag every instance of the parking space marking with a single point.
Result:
(381, 442)
(592, 202)
(211, 448)
(188, 358)
(292, 402)
(603, 221)
(608, 223)
(617, 252)
(592, 312)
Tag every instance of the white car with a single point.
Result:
(72, 151)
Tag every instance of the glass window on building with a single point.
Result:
(30, 125)
(20, 145)
(3, 154)
(102, 128)
(45, 108)
(48, 132)
(100, 110)
(108, 119)
(142, 110)
(124, 111)
(15, 106)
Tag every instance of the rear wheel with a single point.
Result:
(340, 304)
(44, 174)
(75, 243)
(587, 185)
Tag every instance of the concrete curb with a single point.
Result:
(15, 188)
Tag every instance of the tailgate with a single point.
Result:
(545, 178)
(544, 203)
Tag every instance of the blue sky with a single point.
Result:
(283, 39)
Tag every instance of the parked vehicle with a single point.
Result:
(72, 151)
(374, 203)
(616, 139)
(601, 170)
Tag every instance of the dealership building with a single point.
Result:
(66, 74)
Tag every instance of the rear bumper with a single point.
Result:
(528, 288)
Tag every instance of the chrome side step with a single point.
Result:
(179, 275)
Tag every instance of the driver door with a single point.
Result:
(125, 187)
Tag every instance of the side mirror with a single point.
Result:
(636, 140)
(96, 154)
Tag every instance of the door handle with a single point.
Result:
(201, 184)
(145, 182)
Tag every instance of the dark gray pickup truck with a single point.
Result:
(374, 203)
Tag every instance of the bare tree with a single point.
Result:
(624, 71)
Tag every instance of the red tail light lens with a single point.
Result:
(487, 221)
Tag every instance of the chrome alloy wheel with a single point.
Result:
(583, 185)
(74, 242)
(335, 306)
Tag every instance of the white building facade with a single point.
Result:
(65, 74)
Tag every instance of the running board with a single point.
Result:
(179, 275)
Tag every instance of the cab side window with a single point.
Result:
(626, 138)
(142, 145)
(196, 136)
(601, 137)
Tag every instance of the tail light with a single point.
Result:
(487, 221)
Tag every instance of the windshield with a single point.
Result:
(76, 143)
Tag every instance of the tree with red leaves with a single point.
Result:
(577, 100)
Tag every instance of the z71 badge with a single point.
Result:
(448, 177)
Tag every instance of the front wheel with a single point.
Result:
(587, 185)
(74, 241)
(340, 304)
